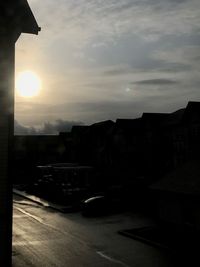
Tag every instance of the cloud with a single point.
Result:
(153, 66)
(85, 20)
(156, 82)
(46, 128)
(116, 70)
(185, 55)
(174, 67)
(23, 130)
(58, 126)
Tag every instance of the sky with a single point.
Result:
(109, 59)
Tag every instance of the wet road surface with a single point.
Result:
(45, 237)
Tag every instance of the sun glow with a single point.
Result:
(28, 84)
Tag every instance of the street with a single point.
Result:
(45, 237)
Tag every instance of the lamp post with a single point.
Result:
(15, 18)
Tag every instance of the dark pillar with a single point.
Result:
(7, 51)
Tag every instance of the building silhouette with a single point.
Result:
(129, 154)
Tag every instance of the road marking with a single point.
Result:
(27, 243)
(19, 216)
(103, 255)
(30, 215)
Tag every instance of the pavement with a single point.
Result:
(44, 236)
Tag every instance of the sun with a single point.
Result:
(28, 84)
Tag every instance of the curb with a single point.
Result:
(42, 202)
(143, 240)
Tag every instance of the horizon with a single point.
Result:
(59, 126)
(101, 60)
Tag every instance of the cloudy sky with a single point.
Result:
(108, 59)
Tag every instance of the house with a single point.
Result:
(66, 139)
(181, 135)
(191, 121)
(177, 196)
(175, 140)
(16, 18)
(90, 143)
(127, 140)
(99, 137)
(153, 144)
(33, 150)
(78, 142)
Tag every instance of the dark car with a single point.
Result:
(95, 206)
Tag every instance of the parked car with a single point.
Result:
(95, 206)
